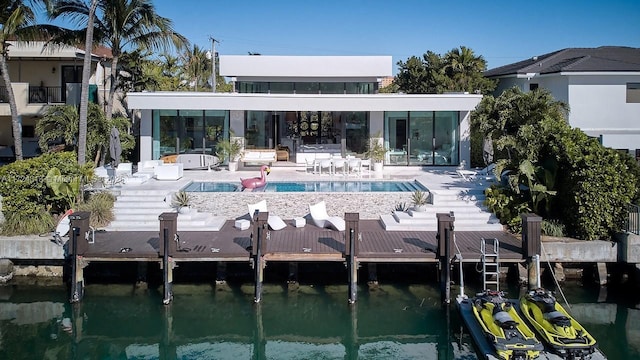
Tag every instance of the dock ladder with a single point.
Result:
(490, 251)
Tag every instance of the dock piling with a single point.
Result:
(445, 240)
(259, 235)
(78, 246)
(531, 246)
(168, 247)
(351, 253)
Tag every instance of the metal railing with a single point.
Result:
(45, 94)
(633, 219)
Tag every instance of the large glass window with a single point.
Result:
(422, 138)
(361, 88)
(307, 88)
(332, 88)
(356, 132)
(633, 92)
(258, 130)
(188, 131)
(281, 88)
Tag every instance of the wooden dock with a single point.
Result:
(308, 243)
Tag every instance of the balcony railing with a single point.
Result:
(633, 221)
(45, 94)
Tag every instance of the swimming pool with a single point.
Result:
(313, 186)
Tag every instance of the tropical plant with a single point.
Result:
(122, 24)
(66, 188)
(402, 207)
(100, 205)
(61, 123)
(420, 197)
(39, 221)
(229, 149)
(17, 22)
(196, 66)
(552, 227)
(458, 70)
(181, 199)
(375, 149)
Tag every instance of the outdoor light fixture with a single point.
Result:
(53, 70)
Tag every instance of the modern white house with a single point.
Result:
(43, 76)
(309, 105)
(600, 85)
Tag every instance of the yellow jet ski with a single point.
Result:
(504, 328)
(563, 334)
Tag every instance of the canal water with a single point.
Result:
(396, 321)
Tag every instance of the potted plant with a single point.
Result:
(231, 150)
(181, 202)
(376, 152)
(420, 199)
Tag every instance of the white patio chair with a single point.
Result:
(484, 174)
(342, 164)
(325, 164)
(321, 219)
(275, 222)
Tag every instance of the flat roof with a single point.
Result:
(306, 66)
(301, 102)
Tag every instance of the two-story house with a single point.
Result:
(600, 85)
(310, 105)
(44, 76)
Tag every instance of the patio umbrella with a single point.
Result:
(487, 151)
(115, 148)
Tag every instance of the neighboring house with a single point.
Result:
(43, 76)
(600, 85)
(311, 105)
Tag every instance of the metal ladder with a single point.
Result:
(490, 251)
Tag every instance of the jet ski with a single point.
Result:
(561, 332)
(504, 328)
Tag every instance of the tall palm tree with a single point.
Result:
(17, 21)
(196, 66)
(123, 24)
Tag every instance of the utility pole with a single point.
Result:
(213, 63)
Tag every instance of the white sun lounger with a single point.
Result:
(321, 219)
(275, 222)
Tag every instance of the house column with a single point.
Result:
(146, 135)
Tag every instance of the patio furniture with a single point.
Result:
(321, 219)
(485, 173)
(198, 161)
(168, 171)
(299, 222)
(275, 222)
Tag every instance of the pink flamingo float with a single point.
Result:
(256, 182)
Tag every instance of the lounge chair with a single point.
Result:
(275, 222)
(486, 173)
(321, 219)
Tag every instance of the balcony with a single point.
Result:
(46, 95)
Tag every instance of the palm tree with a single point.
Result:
(123, 24)
(196, 65)
(17, 21)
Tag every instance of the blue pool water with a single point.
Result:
(313, 186)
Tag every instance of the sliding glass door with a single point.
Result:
(421, 138)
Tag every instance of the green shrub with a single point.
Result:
(553, 227)
(100, 205)
(37, 221)
(25, 194)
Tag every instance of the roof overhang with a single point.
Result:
(299, 102)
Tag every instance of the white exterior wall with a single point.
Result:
(146, 136)
(279, 67)
(599, 106)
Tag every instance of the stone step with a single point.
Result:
(211, 223)
(405, 218)
(140, 207)
(140, 198)
(389, 223)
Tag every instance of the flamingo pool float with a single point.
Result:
(256, 182)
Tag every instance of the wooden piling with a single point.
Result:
(351, 253)
(79, 242)
(531, 246)
(259, 235)
(168, 247)
(445, 242)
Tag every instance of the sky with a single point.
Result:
(502, 31)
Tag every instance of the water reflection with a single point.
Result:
(399, 322)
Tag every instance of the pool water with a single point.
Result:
(313, 186)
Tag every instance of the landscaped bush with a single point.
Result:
(26, 196)
(552, 228)
(100, 204)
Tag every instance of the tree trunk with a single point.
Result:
(112, 86)
(84, 93)
(15, 118)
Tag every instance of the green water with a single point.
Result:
(395, 322)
